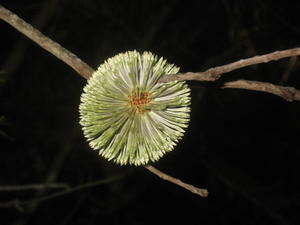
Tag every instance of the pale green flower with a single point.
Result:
(127, 115)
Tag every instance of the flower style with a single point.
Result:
(128, 115)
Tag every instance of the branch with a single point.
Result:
(54, 48)
(215, 73)
(27, 187)
(191, 188)
(288, 93)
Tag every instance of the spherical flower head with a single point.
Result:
(128, 115)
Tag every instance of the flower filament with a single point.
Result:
(139, 102)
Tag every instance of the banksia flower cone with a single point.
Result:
(127, 115)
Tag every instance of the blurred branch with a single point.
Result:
(3, 122)
(191, 188)
(244, 194)
(27, 187)
(287, 72)
(50, 177)
(18, 204)
(5, 135)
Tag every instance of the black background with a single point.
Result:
(241, 145)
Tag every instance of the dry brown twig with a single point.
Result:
(288, 93)
(213, 74)
(199, 191)
(46, 43)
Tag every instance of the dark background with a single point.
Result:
(241, 145)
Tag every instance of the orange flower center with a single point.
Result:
(139, 102)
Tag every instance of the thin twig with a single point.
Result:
(56, 49)
(191, 188)
(28, 187)
(215, 73)
(288, 93)
(19, 51)
(18, 204)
